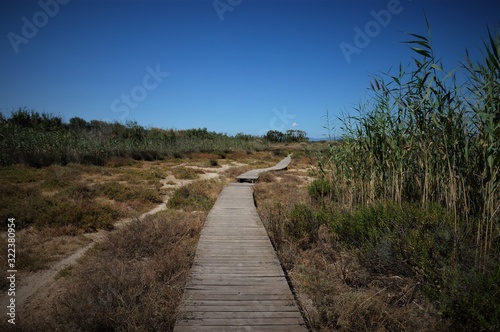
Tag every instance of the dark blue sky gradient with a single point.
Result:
(266, 65)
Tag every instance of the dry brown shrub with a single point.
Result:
(133, 281)
(237, 155)
(233, 172)
(119, 162)
(42, 246)
(203, 155)
(269, 176)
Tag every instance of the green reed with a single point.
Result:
(424, 137)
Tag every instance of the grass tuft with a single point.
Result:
(197, 196)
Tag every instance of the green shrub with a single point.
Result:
(122, 193)
(186, 173)
(223, 154)
(197, 196)
(472, 298)
(410, 241)
(399, 239)
(319, 189)
(30, 207)
(303, 225)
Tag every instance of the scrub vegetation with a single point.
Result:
(39, 140)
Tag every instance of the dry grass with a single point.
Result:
(238, 155)
(119, 162)
(269, 176)
(186, 173)
(56, 205)
(39, 247)
(260, 159)
(65, 195)
(233, 172)
(197, 196)
(133, 281)
(205, 156)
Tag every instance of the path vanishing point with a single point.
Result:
(237, 282)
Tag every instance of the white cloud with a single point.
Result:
(295, 124)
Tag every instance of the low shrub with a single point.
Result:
(303, 226)
(186, 173)
(197, 196)
(268, 176)
(123, 193)
(472, 298)
(319, 189)
(69, 207)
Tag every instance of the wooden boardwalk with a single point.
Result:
(253, 175)
(237, 283)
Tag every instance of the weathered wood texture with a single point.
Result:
(253, 175)
(237, 283)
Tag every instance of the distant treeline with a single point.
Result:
(40, 139)
(290, 136)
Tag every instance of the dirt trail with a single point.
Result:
(34, 289)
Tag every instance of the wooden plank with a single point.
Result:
(255, 308)
(233, 282)
(254, 321)
(242, 303)
(194, 296)
(229, 273)
(236, 274)
(224, 261)
(241, 289)
(261, 328)
(241, 315)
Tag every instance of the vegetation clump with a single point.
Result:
(196, 196)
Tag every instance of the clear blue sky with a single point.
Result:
(228, 65)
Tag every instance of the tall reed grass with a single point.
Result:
(426, 138)
(430, 138)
